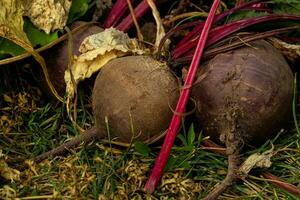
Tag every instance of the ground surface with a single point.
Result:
(30, 126)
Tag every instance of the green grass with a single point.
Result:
(107, 170)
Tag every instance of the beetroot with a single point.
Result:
(254, 83)
(57, 58)
(135, 94)
(243, 96)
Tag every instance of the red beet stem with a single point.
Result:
(139, 11)
(219, 17)
(172, 31)
(239, 2)
(270, 11)
(282, 184)
(180, 108)
(211, 53)
(116, 13)
(221, 32)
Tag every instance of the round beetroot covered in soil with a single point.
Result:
(135, 93)
(248, 91)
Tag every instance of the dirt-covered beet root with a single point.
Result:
(57, 58)
(254, 83)
(135, 94)
(243, 96)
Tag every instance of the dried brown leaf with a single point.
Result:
(291, 51)
(261, 160)
(7, 192)
(97, 50)
(48, 15)
(11, 22)
(160, 31)
(6, 172)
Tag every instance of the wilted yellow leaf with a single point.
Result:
(160, 31)
(97, 50)
(261, 160)
(48, 15)
(291, 51)
(11, 28)
(11, 21)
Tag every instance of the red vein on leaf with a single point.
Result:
(180, 108)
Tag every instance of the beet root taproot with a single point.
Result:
(243, 97)
(132, 100)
